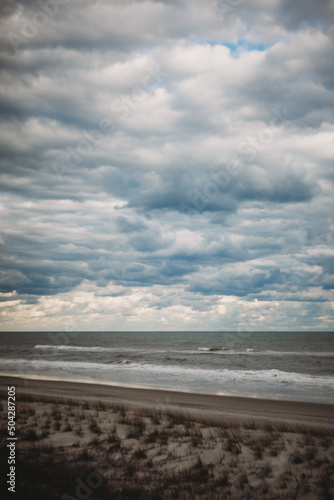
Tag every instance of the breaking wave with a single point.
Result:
(170, 371)
(200, 350)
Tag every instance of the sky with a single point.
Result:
(167, 165)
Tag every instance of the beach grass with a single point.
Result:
(85, 449)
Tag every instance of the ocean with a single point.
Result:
(271, 365)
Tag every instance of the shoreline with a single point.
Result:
(126, 385)
(224, 406)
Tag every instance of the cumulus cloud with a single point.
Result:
(166, 165)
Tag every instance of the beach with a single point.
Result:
(107, 441)
(198, 404)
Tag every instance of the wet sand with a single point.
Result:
(200, 404)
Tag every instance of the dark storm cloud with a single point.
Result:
(242, 286)
(301, 81)
(294, 15)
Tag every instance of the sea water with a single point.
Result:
(277, 365)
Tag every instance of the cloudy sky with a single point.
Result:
(167, 165)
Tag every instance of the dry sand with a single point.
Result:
(100, 441)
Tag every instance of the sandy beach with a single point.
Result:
(200, 404)
(106, 441)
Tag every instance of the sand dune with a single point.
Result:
(100, 441)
